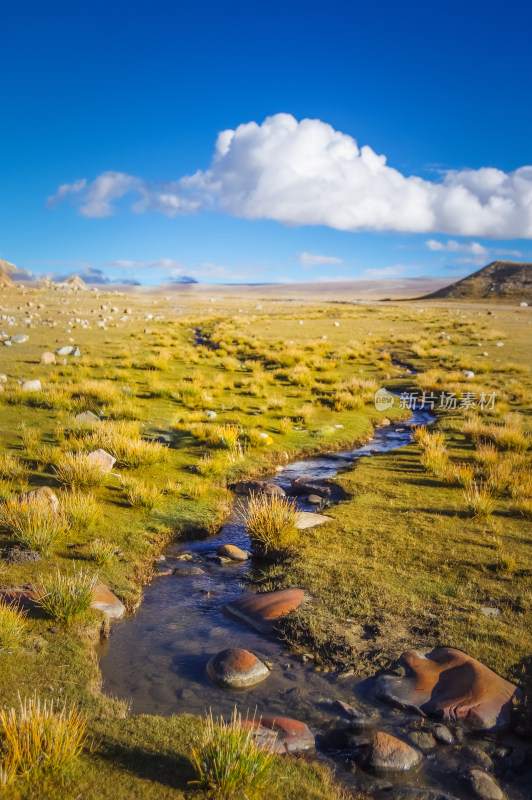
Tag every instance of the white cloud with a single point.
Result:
(452, 246)
(310, 259)
(307, 173)
(64, 190)
(396, 271)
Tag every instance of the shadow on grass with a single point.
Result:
(174, 771)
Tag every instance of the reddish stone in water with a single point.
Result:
(262, 611)
(236, 668)
(448, 683)
(104, 600)
(232, 551)
(282, 734)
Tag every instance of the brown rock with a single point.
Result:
(47, 358)
(232, 552)
(104, 600)
(304, 486)
(448, 683)
(43, 495)
(188, 571)
(389, 753)
(236, 669)
(262, 611)
(482, 785)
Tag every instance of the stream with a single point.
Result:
(156, 658)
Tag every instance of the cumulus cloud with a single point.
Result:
(310, 259)
(307, 173)
(476, 253)
(64, 190)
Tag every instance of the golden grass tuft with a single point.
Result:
(66, 596)
(12, 624)
(34, 523)
(271, 523)
(479, 500)
(140, 494)
(76, 469)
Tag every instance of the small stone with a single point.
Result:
(257, 487)
(63, 351)
(442, 734)
(232, 552)
(469, 373)
(211, 414)
(189, 571)
(236, 669)
(482, 785)
(87, 417)
(17, 555)
(422, 740)
(314, 499)
(47, 358)
(490, 611)
(391, 754)
(104, 600)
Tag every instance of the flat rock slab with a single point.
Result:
(282, 734)
(391, 754)
(307, 519)
(236, 669)
(450, 684)
(262, 611)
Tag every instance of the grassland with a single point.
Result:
(404, 562)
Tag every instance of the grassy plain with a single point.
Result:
(403, 563)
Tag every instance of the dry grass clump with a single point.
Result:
(229, 760)
(270, 522)
(223, 435)
(102, 552)
(479, 500)
(36, 737)
(140, 494)
(34, 523)
(123, 441)
(286, 426)
(80, 509)
(434, 456)
(31, 439)
(77, 469)
(65, 596)
(12, 624)
(12, 467)
(459, 474)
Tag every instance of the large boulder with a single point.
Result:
(263, 611)
(387, 753)
(102, 459)
(257, 487)
(47, 358)
(450, 684)
(304, 486)
(282, 734)
(236, 669)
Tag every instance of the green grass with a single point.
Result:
(65, 596)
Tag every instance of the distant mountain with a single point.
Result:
(505, 279)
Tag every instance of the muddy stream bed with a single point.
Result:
(156, 658)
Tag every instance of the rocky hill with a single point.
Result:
(511, 280)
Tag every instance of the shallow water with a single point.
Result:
(157, 657)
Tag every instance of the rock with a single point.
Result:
(490, 611)
(422, 740)
(442, 734)
(31, 386)
(236, 669)
(211, 414)
(308, 519)
(17, 555)
(411, 793)
(3, 378)
(303, 486)
(188, 571)
(47, 358)
(282, 734)
(447, 682)
(43, 495)
(469, 373)
(481, 784)
(314, 499)
(389, 753)
(262, 611)
(102, 459)
(87, 418)
(356, 719)
(64, 351)
(523, 304)
(477, 757)
(104, 600)
(75, 352)
(384, 423)
(7, 343)
(232, 552)
(20, 338)
(257, 487)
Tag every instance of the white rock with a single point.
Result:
(31, 386)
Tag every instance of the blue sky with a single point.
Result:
(366, 140)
